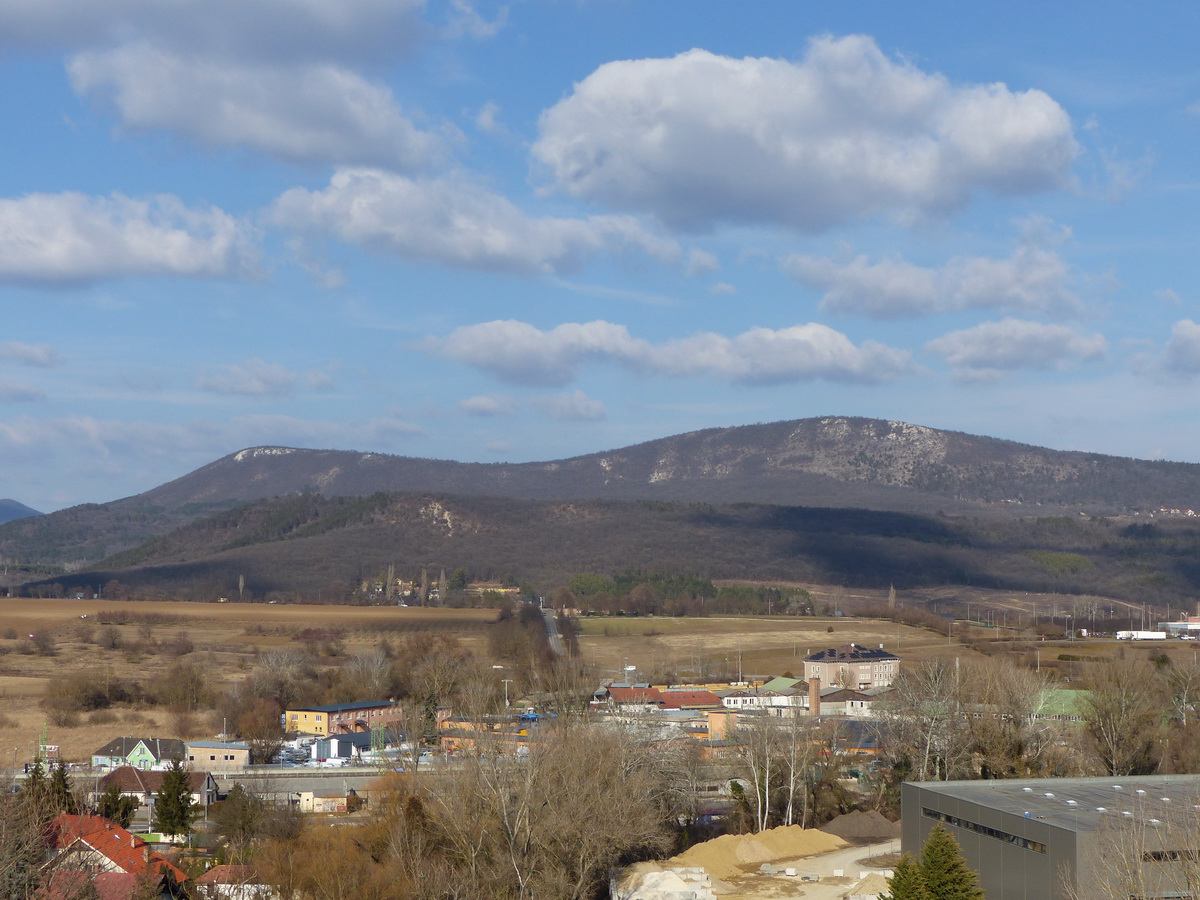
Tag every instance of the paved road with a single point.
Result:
(556, 643)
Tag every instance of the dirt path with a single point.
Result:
(852, 861)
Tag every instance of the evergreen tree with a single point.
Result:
(116, 807)
(59, 797)
(907, 882)
(174, 810)
(35, 780)
(945, 871)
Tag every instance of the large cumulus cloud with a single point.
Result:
(522, 353)
(456, 222)
(843, 134)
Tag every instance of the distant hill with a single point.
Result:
(11, 510)
(317, 548)
(831, 462)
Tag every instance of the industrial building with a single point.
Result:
(1067, 838)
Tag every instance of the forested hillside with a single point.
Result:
(313, 547)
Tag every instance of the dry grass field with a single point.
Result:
(226, 638)
(768, 645)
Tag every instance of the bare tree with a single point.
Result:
(1122, 712)
(1145, 848)
(924, 718)
(1005, 704)
(370, 672)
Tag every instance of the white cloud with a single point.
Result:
(19, 392)
(487, 120)
(29, 354)
(467, 21)
(844, 134)
(1182, 354)
(313, 113)
(457, 223)
(130, 444)
(1033, 279)
(254, 378)
(723, 288)
(701, 261)
(522, 353)
(257, 30)
(575, 406)
(488, 405)
(992, 349)
(70, 238)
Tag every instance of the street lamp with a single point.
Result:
(507, 682)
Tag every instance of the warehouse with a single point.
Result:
(1066, 838)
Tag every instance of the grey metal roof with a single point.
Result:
(1078, 804)
(850, 653)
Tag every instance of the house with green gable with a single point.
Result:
(140, 752)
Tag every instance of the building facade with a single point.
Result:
(1067, 838)
(344, 718)
(853, 666)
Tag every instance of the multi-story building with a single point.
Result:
(853, 666)
(344, 718)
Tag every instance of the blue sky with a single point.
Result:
(507, 232)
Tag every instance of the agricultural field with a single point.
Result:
(768, 645)
(42, 639)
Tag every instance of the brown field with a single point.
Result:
(769, 645)
(227, 636)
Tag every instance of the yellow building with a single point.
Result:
(343, 718)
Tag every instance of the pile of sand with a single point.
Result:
(863, 827)
(873, 884)
(735, 854)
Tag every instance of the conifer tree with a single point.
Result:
(59, 797)
(173, 806)
(945, 871)
(907, 882)
(35, 780)
(116, 807)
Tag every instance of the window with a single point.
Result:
(1025, 843)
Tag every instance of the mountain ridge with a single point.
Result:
(11, 510)
(829, 461)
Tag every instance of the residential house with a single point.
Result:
(73, 884)
(218, 756)
(326, 801)
(144, 785)
(853, 666)
(98, 846)
(233, 883)
(139, 752)
(629, 697)
(344, 718)
(689, 698)
(761, 698)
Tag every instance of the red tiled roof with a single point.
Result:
(635, 695)
(690, 699)
(125, 850)
(67, 884)
(131, 780)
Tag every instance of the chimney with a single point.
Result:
(814, 696)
